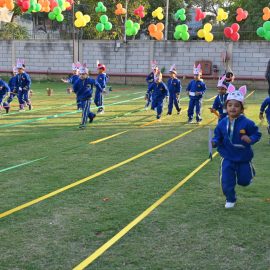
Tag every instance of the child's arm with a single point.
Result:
(265, 103)
(252, 134)
(218, 137)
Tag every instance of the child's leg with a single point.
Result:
(27, 99)
(176, 103)
(153, 105)
(159, 109)
(245, 173)
(85, 111)
(198, 110)
(191, 108)
(228, 180)
(268, 121)
(21, 100)
(170, 105)
(96, 99)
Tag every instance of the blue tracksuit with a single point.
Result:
(102, 81)
(265, 107)
(195, 101)
(174, 87)
(149, 79)
(219, 105)
(236, 166)
(22, 87)
(84, 90)
(12, 86)
(4, 90)
(159, 92)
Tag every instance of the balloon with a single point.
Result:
(209, 37)
(100, 27)
(235, 27)
(136, 26)
(57, 10)
(160, 27)
(87, 18)
(103, 19)
(185, 36)
(60, 17)
(266, 26)
(108, 26)
(207, 27)
(235, 36)
(129, 23)
(51, 16)
(152, 28)
(266, 13)
(260, 32)
(77, 23)
(228, 32)
(177, 35)
(201, 33)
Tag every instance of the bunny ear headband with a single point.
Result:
(238, 95)
(173, 69)
(83, 69)
(154, 65)
(20, 63)
(197, 70)
(221, 82)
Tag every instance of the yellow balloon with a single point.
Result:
(160, 16)
(225, 16)
(87, 18)
(209, 37)
(78, 14)
(67, 5)
(219, 18)
(153, 14)
(207, 27)
(77, 23)
(201, 33)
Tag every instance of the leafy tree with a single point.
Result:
(13, 31)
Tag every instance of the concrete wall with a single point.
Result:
(246, 58)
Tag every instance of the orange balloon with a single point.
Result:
(152, 28)
(119, 6)
(2, 3)
(10, 5)
(160, 26)
(159, 35)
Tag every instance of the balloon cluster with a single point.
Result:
(120, 10)
(180, 14)
(199, 15)
(45, 5)
(100, 7)
(266, 14)
(158, 13)
(206, 32)
(104, 24)
(264, 31)
(222, 15)
(81, 20)
(7, 3)
(139, 12)
(241, 14)
(181, 32)
(232, 32)
(131, 28)
(155, 30)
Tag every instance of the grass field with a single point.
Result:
(51, 220)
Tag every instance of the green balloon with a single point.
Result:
(108, 26)
(178, 28)
(134, 31)
(183, 17)
(97, 9)
(184, 28)
(104, 9)
(177, 35)
(260, 32)
(100, 27)
(60, 17)
(185, 36)
(129, 24)
(266, 26)
(51, 16)
(38, 7)
(129, 31)
(103, 19)
(182, 11)
(267, 35)
(100, 4)
(136, 26)
(57, 10)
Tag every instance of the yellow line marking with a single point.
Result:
(107, 138)
(250, 94)
(209, 99)
(81, 181)
(138, 219)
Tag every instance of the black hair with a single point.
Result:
(242, 106)
(229, 74)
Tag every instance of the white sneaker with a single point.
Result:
(229, 205)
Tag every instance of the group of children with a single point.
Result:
(234, 133)
(18, 86)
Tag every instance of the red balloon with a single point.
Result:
(235, 27)
(235, 36)
(26, 5)
(228, 32)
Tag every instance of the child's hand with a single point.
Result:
(187, 92)
(246, 139)
(146, 97)
(198, 93)
(261, 116)
(212, 110)
(214, 145)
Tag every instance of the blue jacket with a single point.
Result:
(227, 138)
(266, 106)
(160, 91)
(174, 86)
(23, 82)
(84, 88)
(219, 105)
(102, 79)
(12, 83)
(4, 88)
(150, 78)
(196, 86)
(72, 79)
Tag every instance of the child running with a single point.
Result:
(233, 138)
(265, 108)
(4, 91)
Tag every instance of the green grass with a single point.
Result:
(191, 230)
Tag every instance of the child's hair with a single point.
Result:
(229, 75)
